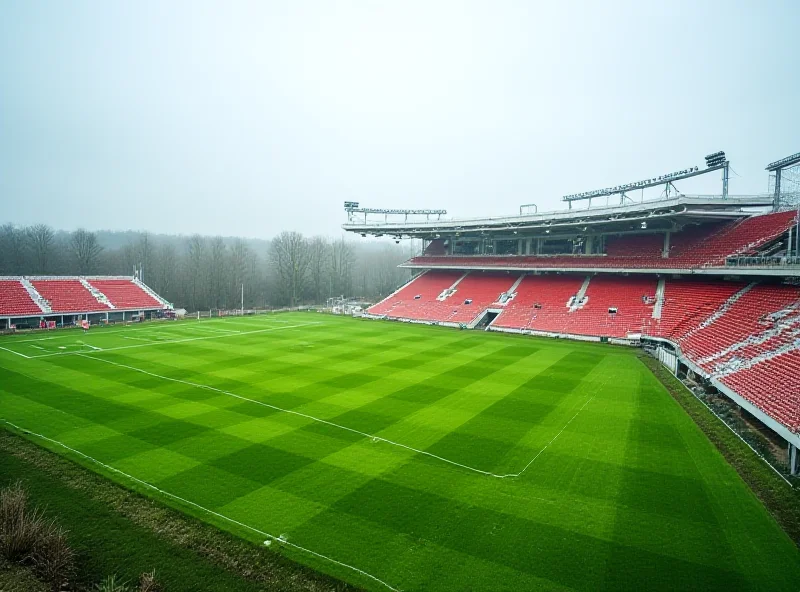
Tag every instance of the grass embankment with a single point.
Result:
(115, 531)
(782, 501)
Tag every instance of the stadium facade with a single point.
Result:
(710, 283)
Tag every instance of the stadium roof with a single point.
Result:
(664, 213)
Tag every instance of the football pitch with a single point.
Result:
(405, 457)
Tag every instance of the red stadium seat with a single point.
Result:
(68, 295)
(125, 294)
(15, 300)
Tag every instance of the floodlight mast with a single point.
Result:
(777, 167)
(714, 162)
(352, 208)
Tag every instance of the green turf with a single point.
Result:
(621, 489)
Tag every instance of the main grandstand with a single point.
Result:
(29, 301)
(710, 283)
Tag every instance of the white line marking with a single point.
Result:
(19, 354)
(139, 339)
(38, 347)
(550, 442)
(215, 330)
(280, 539)
(93, 347)
(69, 333)
(289, 411)
(108, 349)
(373, 437)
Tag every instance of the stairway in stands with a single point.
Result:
(43, 304)
(98, 295)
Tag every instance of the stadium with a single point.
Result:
(542, 414)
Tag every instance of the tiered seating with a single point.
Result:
(404, 304)
(735, 238)
(626, 294)
(15, 300)
(67, 296)
(125, 294)
(772, 385)
(688, 303)
(643, 245)
(745, 317)
(697, 246)
(540, 303)
(482, 289)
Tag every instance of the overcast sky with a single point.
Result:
(248, 118)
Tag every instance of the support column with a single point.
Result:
(665, 252)
(528, 246)
(520, 248)
(793, 460)
(588, 244)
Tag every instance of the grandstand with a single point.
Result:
(709, 282)
(27, 301)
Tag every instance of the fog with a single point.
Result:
(252, 118)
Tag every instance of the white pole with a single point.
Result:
(242, 299)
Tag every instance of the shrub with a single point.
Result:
(20, 526)
(110, 584)
(52, 558)
(148, 583)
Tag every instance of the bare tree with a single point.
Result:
(237, 269)
(320, 268)
(12, 250)
(40, 239)
(217, 272)
(144, 255)
(342, 260)
(85, 249)
(197, 272)
(166, 276)
(290, 255)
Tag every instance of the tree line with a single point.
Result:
(203, 272)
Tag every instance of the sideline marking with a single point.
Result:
(19, 354)
(279, 539)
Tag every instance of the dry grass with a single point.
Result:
(27, 537)
(148, 582)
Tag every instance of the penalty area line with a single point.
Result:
(279, 539)
(550, 442)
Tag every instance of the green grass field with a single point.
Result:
(405, 457)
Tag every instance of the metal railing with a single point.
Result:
(780, 261)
